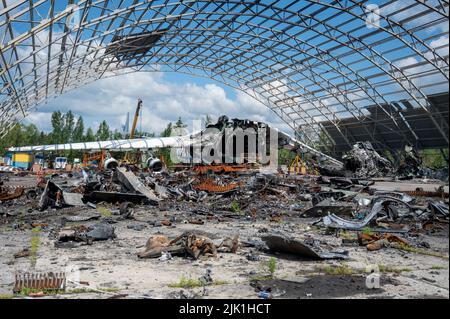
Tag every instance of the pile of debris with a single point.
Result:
(215, 193)
(120, 185)
(365, 162)
(188, 244)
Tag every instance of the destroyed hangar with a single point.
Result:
(344, 193)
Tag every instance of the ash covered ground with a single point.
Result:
(240, 234)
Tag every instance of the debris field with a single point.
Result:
(223, 233)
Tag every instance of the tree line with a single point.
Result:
(69, 128)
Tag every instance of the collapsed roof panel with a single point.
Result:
(414, 127)
(128, 47)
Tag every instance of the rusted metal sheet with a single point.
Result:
(428, 194)
(211, 187)
(6, 196)
(221, 168)
(40, 281)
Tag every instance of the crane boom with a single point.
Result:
(136, 118)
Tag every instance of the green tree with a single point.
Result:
(165, 152)
(168, 131)
(117, 135)
(58, 127)
(103, 132)
(22, 135)
(78, 130)
(69, 124)
(31, 134)
(90, 137)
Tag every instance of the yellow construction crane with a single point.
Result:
(136, 118)
(128, 158)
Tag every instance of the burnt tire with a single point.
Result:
(31, 194)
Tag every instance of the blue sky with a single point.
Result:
(168, 96)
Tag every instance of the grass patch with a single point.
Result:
(77, 291)
(345, 270)
(105, 212)
(7, 296)
(47, 292)
(36, 230)
(347, 235)
(419, 251)
(437, 267)
(189, 283)
(34, 245)
(260, 278)
(235, 207)
(272, 266)
(389, 269)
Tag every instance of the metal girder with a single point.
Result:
(309, 61)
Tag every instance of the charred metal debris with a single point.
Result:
(87, 205)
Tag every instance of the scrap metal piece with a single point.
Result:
(321, 196)
(40, 281)
(73, 199)
(133, 183)
(130, 46)
(326, 207)
(126, 209)
(284, 244)
(6, 196)
(419, 193)
(98, 232)
(439, 208)
(221, 168)
(210, 187)
(337, 222)
(112, 197)
(190, 244)
(365, 162)
(82, 218)
(402, 196)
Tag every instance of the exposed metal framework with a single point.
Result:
(414, 123)
(309, 61)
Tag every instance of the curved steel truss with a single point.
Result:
(309, 61)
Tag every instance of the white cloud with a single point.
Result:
(40, 119)
(164, 101)
(441, 45)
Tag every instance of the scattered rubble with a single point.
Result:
(310, 248)
(188, 244)
(365, 162)
(68, 237)
(219, 217)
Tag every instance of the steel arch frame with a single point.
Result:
(318, 34)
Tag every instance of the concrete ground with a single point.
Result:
(113, 269)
